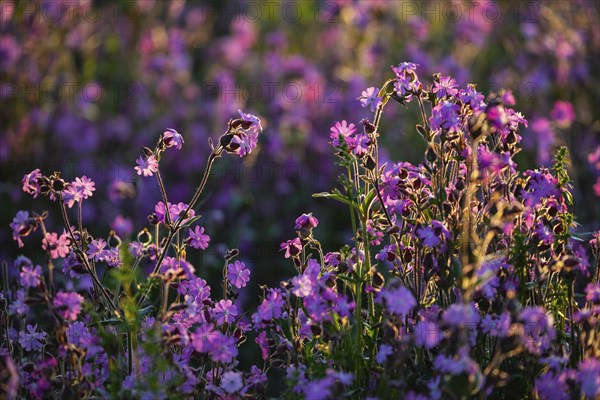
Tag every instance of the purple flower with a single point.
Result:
(222, 348)
(197, 238)
(252, 119)
(370, 98)
(31, 183)
(122, 226)
(17, 305)
(462, 315)
(84, 185)
(427, 334)
(592, 292)
(446, 115)
(472, 97)
(271, 307)
(302, 285)
(540, 185)
(110, 257)
(172, 138)
(538, 329)
(361, 145)
(496, 326)
(174, 211)
(404, 68)
(231, 382)
(30, 276)
(71, 195)
(589, 377)
(203, 338)
(341, 130)
(428, 236)
(136, 249)
(21, 226)
(292, 247)
(445, 87)
(262, 342)
(195, 289)
(237, 274)
(94, 250)
(399, 301)
(31, 339)
(146, 167)
(306, 221)
(245, 138)
(68, 305)
(225, 312)
(385, 350)
(58, 246)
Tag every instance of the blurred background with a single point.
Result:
(85, 84)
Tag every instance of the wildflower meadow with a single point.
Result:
(358, 199)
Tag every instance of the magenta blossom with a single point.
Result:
(237, 274)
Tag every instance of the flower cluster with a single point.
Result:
(460, 277)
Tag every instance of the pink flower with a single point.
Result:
(58, 246)
(146, 167)
(71, 195)
(225, 312)
(68, 305)
(341, 130)
(85, 185)
(30, 276)
(237, 274)
(563, 114)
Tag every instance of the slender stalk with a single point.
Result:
(216, 153)
(163, 193)
(84, 258)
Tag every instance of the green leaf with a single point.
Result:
(336, 195)
(144, 312)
